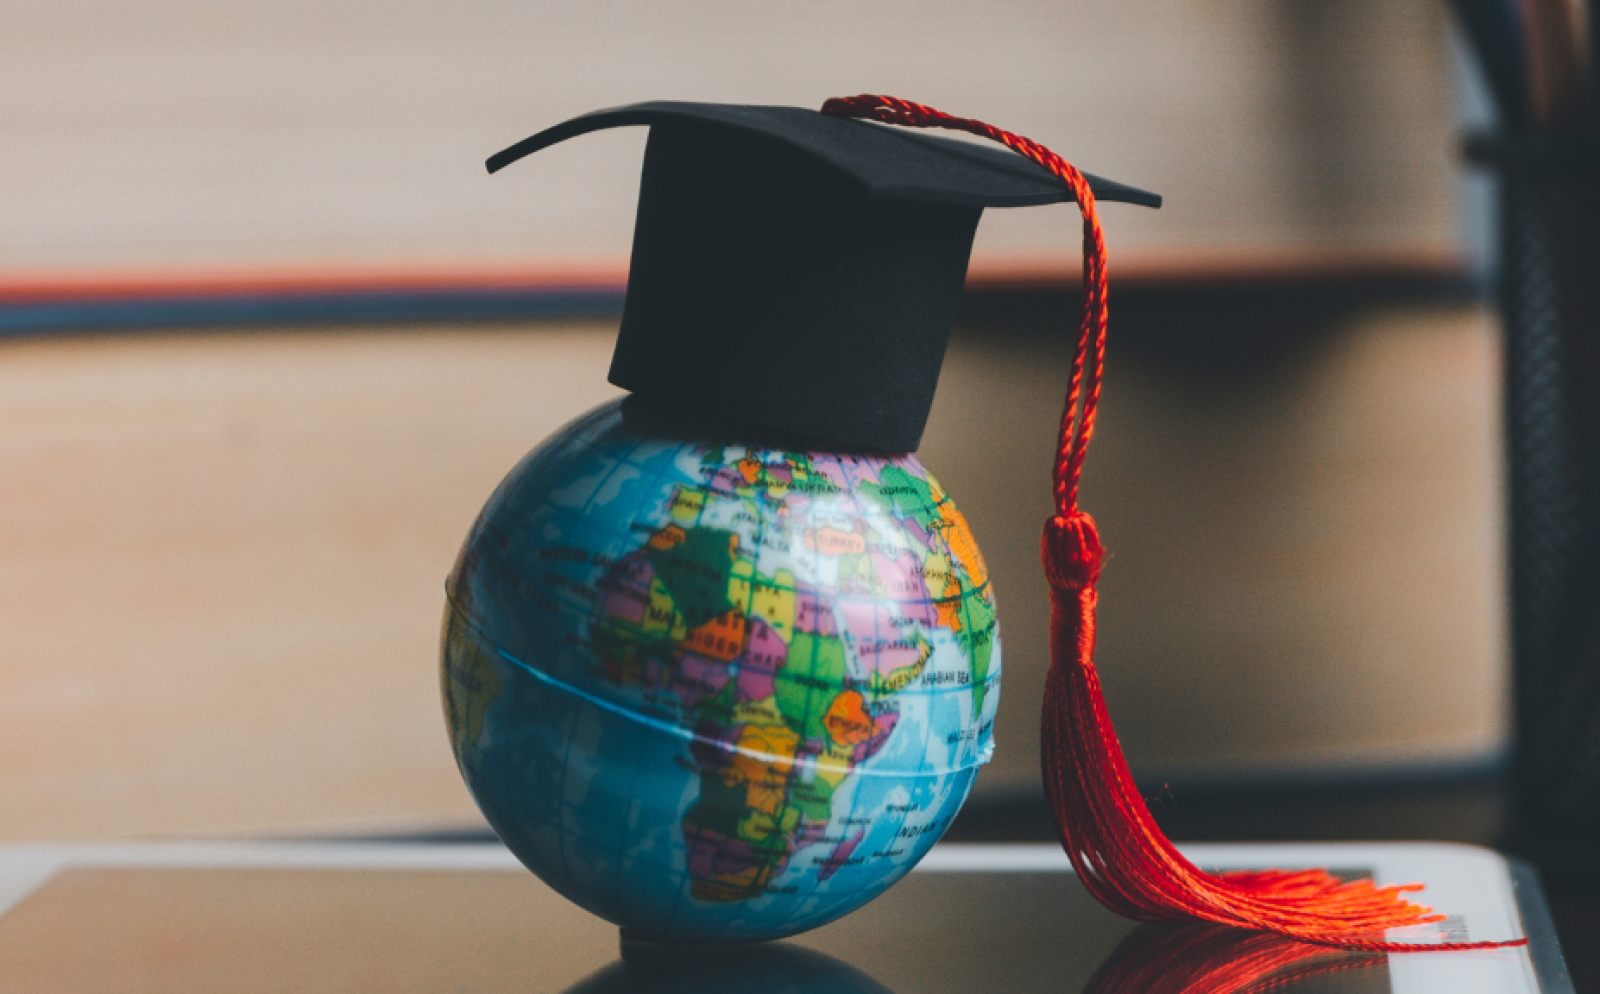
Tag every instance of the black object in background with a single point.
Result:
(1550, 260)
(1549, 188)
(1498, 39)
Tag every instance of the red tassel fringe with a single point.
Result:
(1106, 828)
(1120, 854)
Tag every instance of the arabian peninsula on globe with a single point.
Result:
(715, 691)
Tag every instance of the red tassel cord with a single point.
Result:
(1120, 854)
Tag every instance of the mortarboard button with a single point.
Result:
(798, 272)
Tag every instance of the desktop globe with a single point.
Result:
(712, 690)
(720, 659)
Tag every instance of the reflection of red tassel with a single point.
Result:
(1120, 854)
(1211, 959)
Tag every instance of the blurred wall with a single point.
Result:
(187, 133)
(224, 561)
(1302, 524)
(223, 553)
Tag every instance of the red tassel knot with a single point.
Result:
(1071, 551)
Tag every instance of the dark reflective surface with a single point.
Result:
(765, 968)
(1211, 959)
(229, 931)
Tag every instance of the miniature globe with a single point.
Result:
(710, 689)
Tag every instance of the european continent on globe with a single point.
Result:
(717, 691)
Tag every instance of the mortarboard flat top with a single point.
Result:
(889, 163)
(798, 272)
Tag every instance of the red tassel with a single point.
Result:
(1106, 828)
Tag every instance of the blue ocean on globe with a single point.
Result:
(714, 690)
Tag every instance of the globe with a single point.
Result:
(715, 689)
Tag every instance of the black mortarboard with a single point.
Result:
(799, 272)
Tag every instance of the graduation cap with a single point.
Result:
(798, 272)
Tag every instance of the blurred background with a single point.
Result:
(269, 336)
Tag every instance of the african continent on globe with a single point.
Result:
(711, 690)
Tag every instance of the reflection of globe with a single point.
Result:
(716, 691)
(775, 968)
